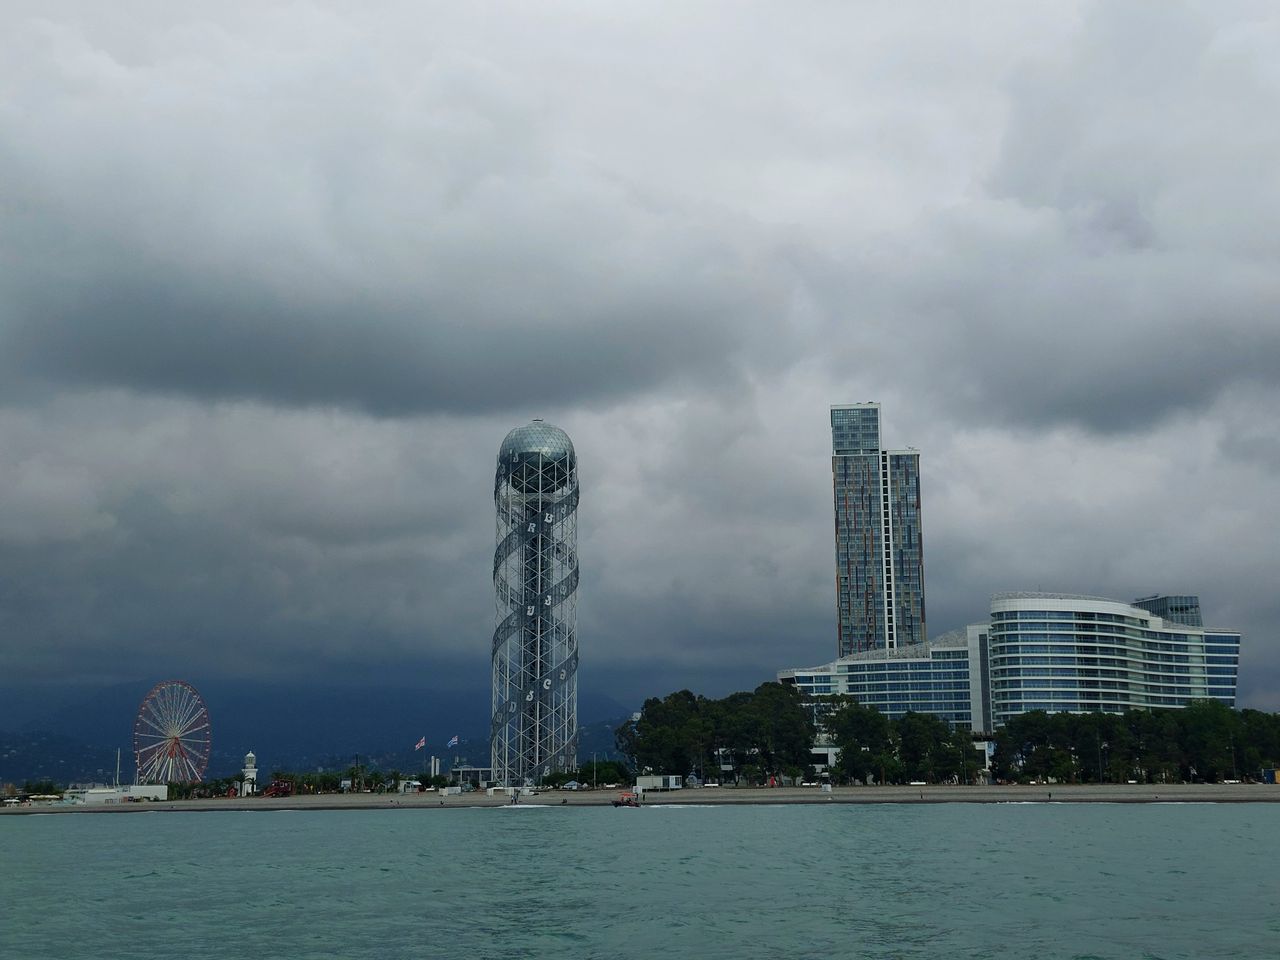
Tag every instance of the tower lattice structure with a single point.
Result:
(534, 725)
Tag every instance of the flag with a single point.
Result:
(453, 742)
(420, 744)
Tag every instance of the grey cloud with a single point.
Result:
(1111, 268)
(276, 285)
(229, 345)
(399, 249)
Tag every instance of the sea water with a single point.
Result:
(952, 880)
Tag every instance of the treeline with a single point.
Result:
(379, 781)
(362, 778)
(745, 736)
(43, 787)
(594, 774)
(917, 746)
(1204, 741)
(751, 737)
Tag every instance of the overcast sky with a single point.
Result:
(276, 279)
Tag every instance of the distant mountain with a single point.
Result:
(597, 738)
(48, 756)
(288, 726)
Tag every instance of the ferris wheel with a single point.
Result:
(171, 736)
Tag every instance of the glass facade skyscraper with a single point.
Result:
(879, 547)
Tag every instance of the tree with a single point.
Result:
(770, 729)
(1259, 741)
(1157, 748)
(733, 737)
(1024, 747)
(1208, 730)
(668, 734)
(1062, 752)
(782, 728)
(624, 738)
(925, 747)
(958, 758)
(603, 771)
(863, 736)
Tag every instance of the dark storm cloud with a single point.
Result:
(275, 283)
(240, 341)
(423, 245)
(1115, 343)
(230, 543)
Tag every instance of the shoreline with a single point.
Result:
(724, 796)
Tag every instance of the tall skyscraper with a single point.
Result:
(534, 725)
(879, 550)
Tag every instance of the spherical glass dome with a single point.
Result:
(537, 457)
(536, 439)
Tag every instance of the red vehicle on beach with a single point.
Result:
(279, 788)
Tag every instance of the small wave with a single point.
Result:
(678, 806)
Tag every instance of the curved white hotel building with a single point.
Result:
(1066, 652)
(1044, 651)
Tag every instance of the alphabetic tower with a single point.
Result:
(534, 726)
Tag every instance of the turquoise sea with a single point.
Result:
(954, 880)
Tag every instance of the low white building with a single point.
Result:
(665, 782)
(131, 793)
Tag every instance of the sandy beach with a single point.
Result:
(1052, 793)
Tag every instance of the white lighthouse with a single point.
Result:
(249, 775)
